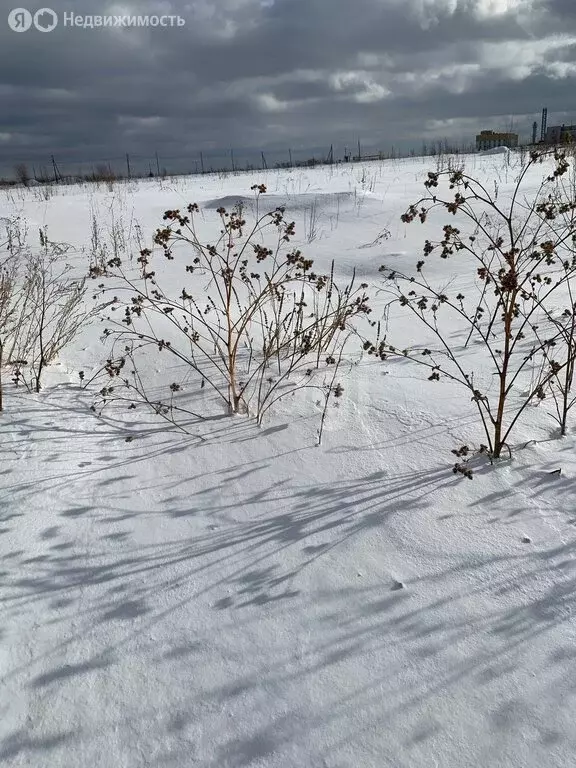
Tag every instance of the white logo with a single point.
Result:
(45, 20)
(19, 20)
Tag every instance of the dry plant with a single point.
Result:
(521, 252)
(559, 321)
(108, 242)
(99, 254)
(10, 310)
(253, 322)
(311, 222)
(42, 306)
(44, 192)
(561, 384)
(57, 309)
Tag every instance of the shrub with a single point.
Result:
(521, 255)
(250, 317)
(42, 308)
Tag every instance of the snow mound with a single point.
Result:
(267, 202)
(229, 202)
(495, 151)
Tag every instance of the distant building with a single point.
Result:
(491, 139)
(560, 134)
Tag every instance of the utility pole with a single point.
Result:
(157, 165)
(264, 163)
(290, 154)
(202, 162)
(128, 165)
(232, 160)
(55, 168)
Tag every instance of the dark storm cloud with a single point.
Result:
(561, 9)
(263, 75)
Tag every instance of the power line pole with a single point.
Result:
(55, 168)
(128, 165)
(264, 163)
(157, 165)
(202, 162)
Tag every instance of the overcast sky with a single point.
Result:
(273, 74)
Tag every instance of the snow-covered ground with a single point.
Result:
(252, 599)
